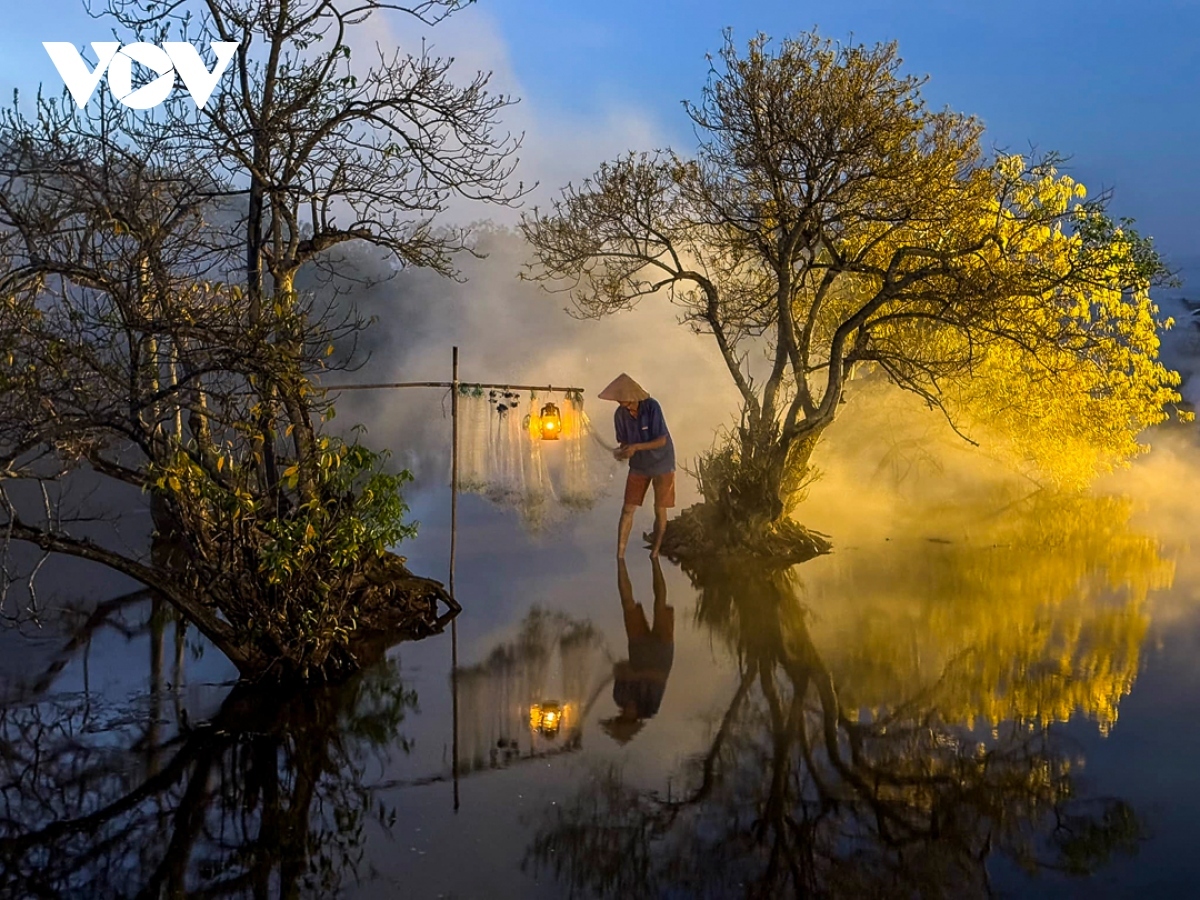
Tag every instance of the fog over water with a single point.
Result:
(512, 331)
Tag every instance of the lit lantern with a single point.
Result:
(551, 422)
(548, 719)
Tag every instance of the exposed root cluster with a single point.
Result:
(397, 602)
(696, 539)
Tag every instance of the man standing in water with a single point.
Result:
(643, 439)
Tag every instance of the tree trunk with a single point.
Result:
(750, 487)
(759, 481)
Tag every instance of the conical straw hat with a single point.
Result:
(624, 390)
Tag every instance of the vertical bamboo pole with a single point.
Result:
(158, 625)
(453, 467)
(453, 546)
(454, 703)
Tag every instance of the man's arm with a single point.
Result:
(648, 445)
(622, 452)
(658, 428)
(627, 450)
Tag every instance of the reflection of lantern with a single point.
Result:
(548, 718)
(551, 422)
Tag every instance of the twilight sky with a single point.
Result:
(1115, 85)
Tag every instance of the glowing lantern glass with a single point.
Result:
(551, 422)
(547, 719)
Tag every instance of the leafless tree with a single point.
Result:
(155, 335)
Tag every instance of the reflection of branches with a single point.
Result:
(265, 798)
(794, 797)
(104, 615)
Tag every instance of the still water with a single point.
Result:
(998, 700)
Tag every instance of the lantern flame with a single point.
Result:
(547, 719)
(551, 422)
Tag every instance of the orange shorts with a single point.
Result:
(664, 489)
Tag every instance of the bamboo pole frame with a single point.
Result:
(454, 385)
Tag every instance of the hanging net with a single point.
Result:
(536, 504)
(587, 468)
(507, 454)
(473, 475)
(507, 481)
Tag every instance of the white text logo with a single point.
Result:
(117, 61)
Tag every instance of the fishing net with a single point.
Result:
(506, 482)
(473, 410)
(504, 456)
(587, 466)
(535, 504)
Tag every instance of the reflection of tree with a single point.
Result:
(1039, 615)
(840, 773)
(553, 658)
(264, 799)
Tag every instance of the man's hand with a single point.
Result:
(623, 452)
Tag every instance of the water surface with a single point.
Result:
(999, 698)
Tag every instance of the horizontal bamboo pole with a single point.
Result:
(449, 384)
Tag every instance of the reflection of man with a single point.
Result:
(643, 439)
(639, 681)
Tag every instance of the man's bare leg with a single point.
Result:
(664, 616)
(624, 526)
(660, 525)
(625, 586)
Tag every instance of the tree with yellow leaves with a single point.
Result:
(831, 222)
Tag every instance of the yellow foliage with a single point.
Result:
(1052, 358)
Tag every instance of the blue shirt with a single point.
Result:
(645, 681)
(648, 426)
